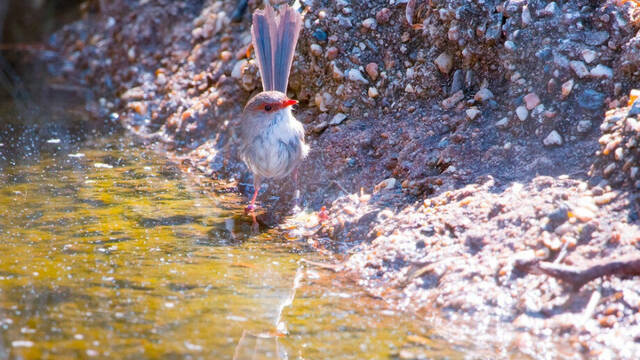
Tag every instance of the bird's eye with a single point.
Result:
(267, 107)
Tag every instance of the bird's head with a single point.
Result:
(268, 104)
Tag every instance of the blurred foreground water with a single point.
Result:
(107, 250)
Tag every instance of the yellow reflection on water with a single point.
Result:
(115, 254)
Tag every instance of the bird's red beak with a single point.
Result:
(289, 102)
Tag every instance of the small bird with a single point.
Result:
(272, 140)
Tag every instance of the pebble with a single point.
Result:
(452, 100)
(552, 139)
(236, 73)
(372, 70)
(320, 127)
(567, 86)
(552, 9)
(332, 53)
(444, 62)
(522, 113)
(591, 100)
(337, 119)
(502, 123)
(316, 49)
(472, 113)
(510, 45)
(383, 16)
(386, 184)
(356, 75)
(609, 169)
(531, 100)
(409, 89)
(579, 68)
(596, 38)
(226, 55)
(601, 71)
(373, 92)
(526, 16)
(336, 73)
(320, 35)
(589, 55)
(457, 83)
(560, 60)
(370, 23)
(635, 109)
(583, 214)
(584, 126)
(483, 95)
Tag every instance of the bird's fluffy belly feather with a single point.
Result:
(277, 151)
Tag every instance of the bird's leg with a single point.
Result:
(297, 191)
(256, 188)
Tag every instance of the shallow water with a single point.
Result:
(109, 251)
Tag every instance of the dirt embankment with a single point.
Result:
(449, 152)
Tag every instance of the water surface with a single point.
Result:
(107, 250)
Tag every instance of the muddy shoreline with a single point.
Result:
(444, 152)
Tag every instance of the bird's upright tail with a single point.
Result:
(274, 41)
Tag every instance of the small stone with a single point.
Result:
(609, 169)
(344, 21)
(503, 123)
(320, 127)
(236, 73)
(457, 83)
(472, 113)
(584, 126)
(510, 45)
(567, 86)
(552, 9)
(526, 16)
(372, 70)
(409, 89)
(332, 53)
(373, 92)
(386, 184)
(591, 100)
(588, 55)
(531, 100)
(557, 217)
(336, 73)
(320, 35)
(323, 100)
(444, 62)
(337, 119)
(560, 60)
(483, 95)
(635, 109)
(383, 16)
(369, 23)
(226, 55)
(596, 38)
(583, 214)
(522, 113)
(601, 71)
(579, 68)
(452, 100)
(633, 172)
(553, 139)
(356, 75)
(316, 49)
